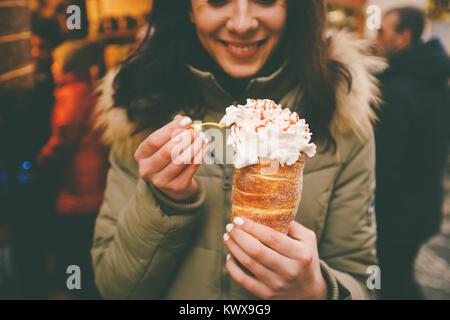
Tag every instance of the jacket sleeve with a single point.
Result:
(140, 236)
(348, 244)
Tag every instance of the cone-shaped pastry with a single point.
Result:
(267, 195)
(270, 147)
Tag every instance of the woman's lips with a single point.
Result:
(242, 50)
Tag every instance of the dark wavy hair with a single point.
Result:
(155, 83)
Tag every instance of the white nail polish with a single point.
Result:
(226, 237)
(238, 221)
(185, 122)
(229, 227)
(179, 137)
(228, 256)
(205, 138)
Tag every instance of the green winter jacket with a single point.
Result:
(148, 246)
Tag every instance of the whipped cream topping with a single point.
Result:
(262, 129)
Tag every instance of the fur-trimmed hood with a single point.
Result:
(354, 109)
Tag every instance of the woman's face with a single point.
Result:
(240, 35)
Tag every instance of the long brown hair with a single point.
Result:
(155, 82)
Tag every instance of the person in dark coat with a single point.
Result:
(411, 141)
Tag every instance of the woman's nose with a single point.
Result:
(243, 19)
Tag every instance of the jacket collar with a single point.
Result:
(216, 97)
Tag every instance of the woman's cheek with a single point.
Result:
(275, 22)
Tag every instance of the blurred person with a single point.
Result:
(76, 155)
(159, 234)
(411, 140)
(45, 37)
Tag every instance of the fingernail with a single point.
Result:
(205, 138)
(238, 221)
(185, 122)
(226, 237)
(229, 227)
(179, 137)
(228, 256)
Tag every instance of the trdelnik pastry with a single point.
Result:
(265, 136)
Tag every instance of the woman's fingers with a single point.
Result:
(257, 250)
(281, 254)
(166, 158)
(300, 233)
(184, 160)
(160, 137)
(187, 154)
(249, 283)
(187, 175)
(260, 271)
(185, 184)
(168, 153)
(279, 242)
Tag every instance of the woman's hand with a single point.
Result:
(170, 156)
(283, 267)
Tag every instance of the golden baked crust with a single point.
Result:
(269, 197)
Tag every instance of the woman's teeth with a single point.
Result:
(242, 49)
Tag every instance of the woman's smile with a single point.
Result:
(240, 35)
(242, 50)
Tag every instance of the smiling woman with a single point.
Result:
(159, 232)
(237, 40)
(242, 44)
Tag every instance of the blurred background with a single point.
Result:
(41, 82)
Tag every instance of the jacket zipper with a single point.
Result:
(227, 187)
